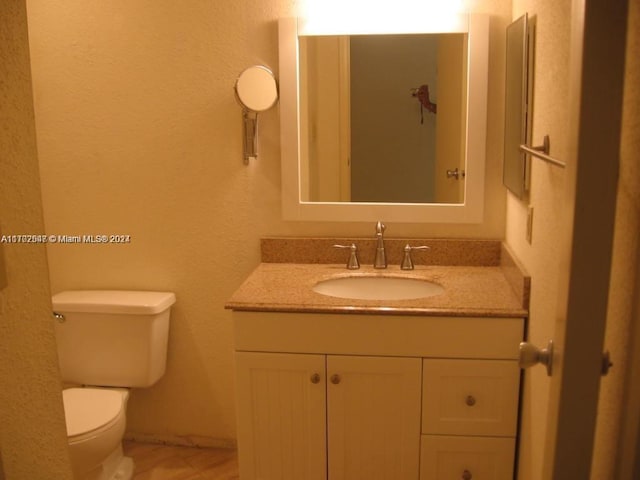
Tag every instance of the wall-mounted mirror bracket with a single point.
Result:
(249, 135)
(256, 90)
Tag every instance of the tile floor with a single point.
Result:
(167, 462)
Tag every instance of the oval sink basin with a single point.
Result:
(377, 288)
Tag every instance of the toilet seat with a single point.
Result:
(90, 411)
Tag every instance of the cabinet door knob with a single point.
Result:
(466, 475)
(471, 401)
(315, 378)
(335, 379)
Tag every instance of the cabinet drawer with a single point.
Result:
(470, 397)
(466, 458)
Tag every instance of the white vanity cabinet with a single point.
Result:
(356, 396)
(334, 416)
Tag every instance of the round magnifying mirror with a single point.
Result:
(256, 88)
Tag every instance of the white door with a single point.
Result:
(592, 173)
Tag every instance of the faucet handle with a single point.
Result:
(380, 227)
(352, 263)
(407, 262)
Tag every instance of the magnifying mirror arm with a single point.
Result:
(249, 134)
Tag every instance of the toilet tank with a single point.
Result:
(112, 338)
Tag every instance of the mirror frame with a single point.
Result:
(471, 211)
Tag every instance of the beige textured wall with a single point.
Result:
(33, 439)
(550, 116)
(139, 133)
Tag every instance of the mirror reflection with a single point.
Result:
(383, 118)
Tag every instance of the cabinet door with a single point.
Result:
(373, 417)
(466, 458)
(281, 416)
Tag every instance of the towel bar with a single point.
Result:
(542, 152)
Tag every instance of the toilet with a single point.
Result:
(108, 341)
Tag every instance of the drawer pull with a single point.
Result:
(335, 379)
(471, 401)
(315, 378)
(466, 475)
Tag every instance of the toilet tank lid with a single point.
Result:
(112, 301)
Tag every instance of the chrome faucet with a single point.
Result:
(381, 258)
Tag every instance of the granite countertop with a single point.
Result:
(468, 291)
(480, 278)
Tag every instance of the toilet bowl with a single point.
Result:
(96, 419)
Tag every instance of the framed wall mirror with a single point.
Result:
(518, 93)
(384, 124)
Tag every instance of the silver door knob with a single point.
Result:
(531, 355)
(455, 173)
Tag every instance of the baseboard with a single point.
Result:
(181, 440)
